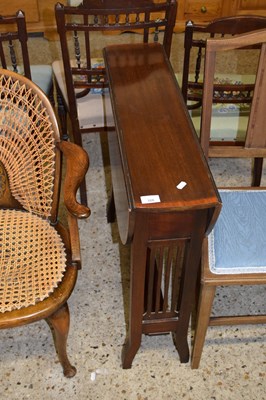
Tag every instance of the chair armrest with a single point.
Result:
(77, 163)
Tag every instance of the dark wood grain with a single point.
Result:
(153, 149)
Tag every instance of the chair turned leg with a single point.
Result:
(202, 322)
(111, 209)
(257, 171)
(62, 114)
(51, 96)
(59, 324)
(83, 193)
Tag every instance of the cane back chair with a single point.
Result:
(81, 78)
(14, 53)
(232, 90)
(234, 253)
(39, 255)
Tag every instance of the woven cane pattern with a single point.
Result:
(26, 146)
(32, 259)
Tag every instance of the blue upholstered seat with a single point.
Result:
(237, 243)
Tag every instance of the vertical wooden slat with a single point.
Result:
(150, 281)
(159, 278)
(166, 259)
(256, 136)
(205, 128)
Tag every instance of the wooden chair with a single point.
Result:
(194, 52)
(234, 252)
(40, 257)
(14, 54)
(81, 79)
(232, 92)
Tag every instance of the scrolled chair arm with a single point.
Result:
(77, 164)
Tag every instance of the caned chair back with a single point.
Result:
(28, 136)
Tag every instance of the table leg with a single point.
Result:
(137, 289)
(188, 288)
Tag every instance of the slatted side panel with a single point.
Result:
(163, 276)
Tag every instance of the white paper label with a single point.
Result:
(181, 185)
(150, 199)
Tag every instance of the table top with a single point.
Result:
(163, 164)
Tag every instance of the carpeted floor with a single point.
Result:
(233, 364)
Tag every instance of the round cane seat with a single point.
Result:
(32, 259)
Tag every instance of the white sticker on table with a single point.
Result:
(155, 198)
(181, 185)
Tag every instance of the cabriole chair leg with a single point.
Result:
(59, 324)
